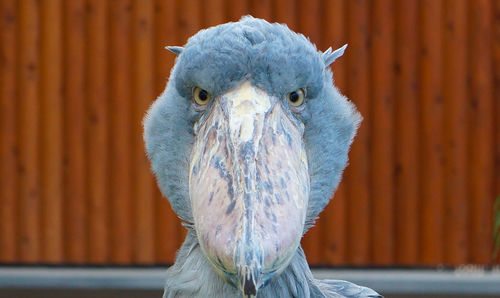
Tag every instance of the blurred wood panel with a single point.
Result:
(481, 119)
(237, 9)
(52, 131)
(286, 13)
(261, 9)
(76, 78)
(120, 128)
(307, 23)
(496, 92)
(406, 106)
(75, 159)
(97, 136)
(8, 126)
(29, 131)
(214, 13)
(455, 124)
(358, 89)
(431, 136)
(382, 131)
(190, 18)
(333, 222)
(143, 91)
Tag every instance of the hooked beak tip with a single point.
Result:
(250, 282)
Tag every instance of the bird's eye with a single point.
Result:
(296, 98)
(201, 96)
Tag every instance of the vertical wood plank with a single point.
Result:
(333, 221)
(481, 131)
(75, 179)
(144, 94)
(308, 20)
(97, 133)
(166, 34)
(167, 223)
(237, 9)
(382, 131)
(214, 13)
(496, 94)
(333, 228)
(359, 204)
(190, 18)
(120, 128)
(8, 128)
(455, 128)
(405, 129)
(335, 35)
(262, 9)
(311, 242)
(52, 131)
(286, 12)
(29, 116)
(431, 159)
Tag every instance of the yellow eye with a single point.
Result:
(201, 97)
(296, 98)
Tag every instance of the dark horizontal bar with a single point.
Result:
(385, 281)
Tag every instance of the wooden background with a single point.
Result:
(76, 77)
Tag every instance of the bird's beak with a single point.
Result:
(249, 186)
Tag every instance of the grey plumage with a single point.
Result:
(192, 276)
(278, 61)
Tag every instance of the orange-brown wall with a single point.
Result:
(76, 78)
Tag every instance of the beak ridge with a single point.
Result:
(249, 186)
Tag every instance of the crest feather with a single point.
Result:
(329, 57)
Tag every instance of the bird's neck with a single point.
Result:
(192, 276)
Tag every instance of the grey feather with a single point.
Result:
(330, 57)
(330, 288)
(174, 49)
(185, 276)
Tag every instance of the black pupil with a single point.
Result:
(203, 95)
(294, 96)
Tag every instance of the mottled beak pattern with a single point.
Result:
(249, 186)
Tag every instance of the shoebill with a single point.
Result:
(248, 143)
